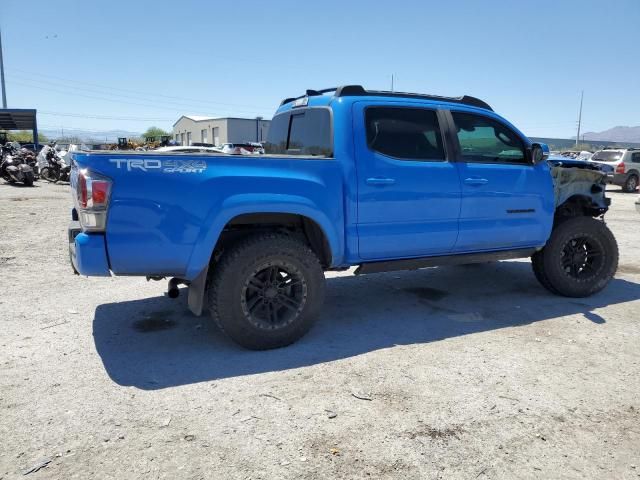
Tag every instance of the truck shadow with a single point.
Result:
(156, 343)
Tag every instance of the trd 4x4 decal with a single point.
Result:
(165, 166)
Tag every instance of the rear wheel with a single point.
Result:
(579, 259)
(266, 291)
(631, 184)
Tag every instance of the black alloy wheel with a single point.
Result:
(274, 296)
(582, 258)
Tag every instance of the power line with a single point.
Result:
(197, 100)
(108, 94)
(72, 129)
(103, 117)
(106, 99)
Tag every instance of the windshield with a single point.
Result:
(607, 156)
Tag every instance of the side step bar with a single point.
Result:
(425, 262)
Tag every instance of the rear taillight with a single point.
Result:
(92, 192)
(620, 168)
(82, 190)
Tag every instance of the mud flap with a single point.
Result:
(196, 292)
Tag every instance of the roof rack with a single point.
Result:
(359, 91)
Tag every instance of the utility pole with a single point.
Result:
(392, 82)
(4, 88)
(579, 118)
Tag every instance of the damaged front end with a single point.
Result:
(579, 188)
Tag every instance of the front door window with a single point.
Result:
(485, 140)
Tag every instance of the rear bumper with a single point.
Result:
(87, 252)
(617, 179)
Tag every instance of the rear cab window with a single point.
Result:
(304, 132)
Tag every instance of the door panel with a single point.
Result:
(507, 202)
(510, 209)
(407, 207)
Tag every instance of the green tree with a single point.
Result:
(154, 132)
(24, 136)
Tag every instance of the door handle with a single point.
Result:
(380, 181)
(476, 181)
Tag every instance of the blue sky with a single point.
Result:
(115, 64)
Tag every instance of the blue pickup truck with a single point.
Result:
(351, 177)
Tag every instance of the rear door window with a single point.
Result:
(404, 133)
(305, 131)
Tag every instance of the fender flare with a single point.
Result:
(252, 203)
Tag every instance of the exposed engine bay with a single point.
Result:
(579, 188)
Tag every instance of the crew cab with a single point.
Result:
(351, 177)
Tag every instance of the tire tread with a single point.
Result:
(254, 247)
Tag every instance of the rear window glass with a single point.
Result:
(301, 132)
(404, 133)
(607, 156)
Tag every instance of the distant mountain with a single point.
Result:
(90, 135)
(615, 134)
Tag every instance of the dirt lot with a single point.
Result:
(460, 372)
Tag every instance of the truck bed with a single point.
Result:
(168, 210)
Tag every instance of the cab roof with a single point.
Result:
(359, 91)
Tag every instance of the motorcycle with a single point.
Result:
(54, 167)
(13, 167)
(30, 159)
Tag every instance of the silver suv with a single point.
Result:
(626, 164)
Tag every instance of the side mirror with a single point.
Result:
(539, 153)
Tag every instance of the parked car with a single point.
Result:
(578, 155)
(380, 180)
(191, 149)
(242, 148)
(626, 164)
(561, 160)
(257, 147)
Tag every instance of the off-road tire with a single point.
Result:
(28, 179)
(631, 184)
(602, 261)
(537, 263)
(229, 286)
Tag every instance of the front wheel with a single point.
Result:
(266, 291)
(580, 258)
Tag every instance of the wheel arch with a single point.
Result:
(246, 210)
(298, 225)
(579, 205)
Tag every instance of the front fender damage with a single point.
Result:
(589, 185)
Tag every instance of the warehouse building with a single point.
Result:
(190, 129)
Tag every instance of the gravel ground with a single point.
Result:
(458, 372)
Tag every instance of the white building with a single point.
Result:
(190, 129)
